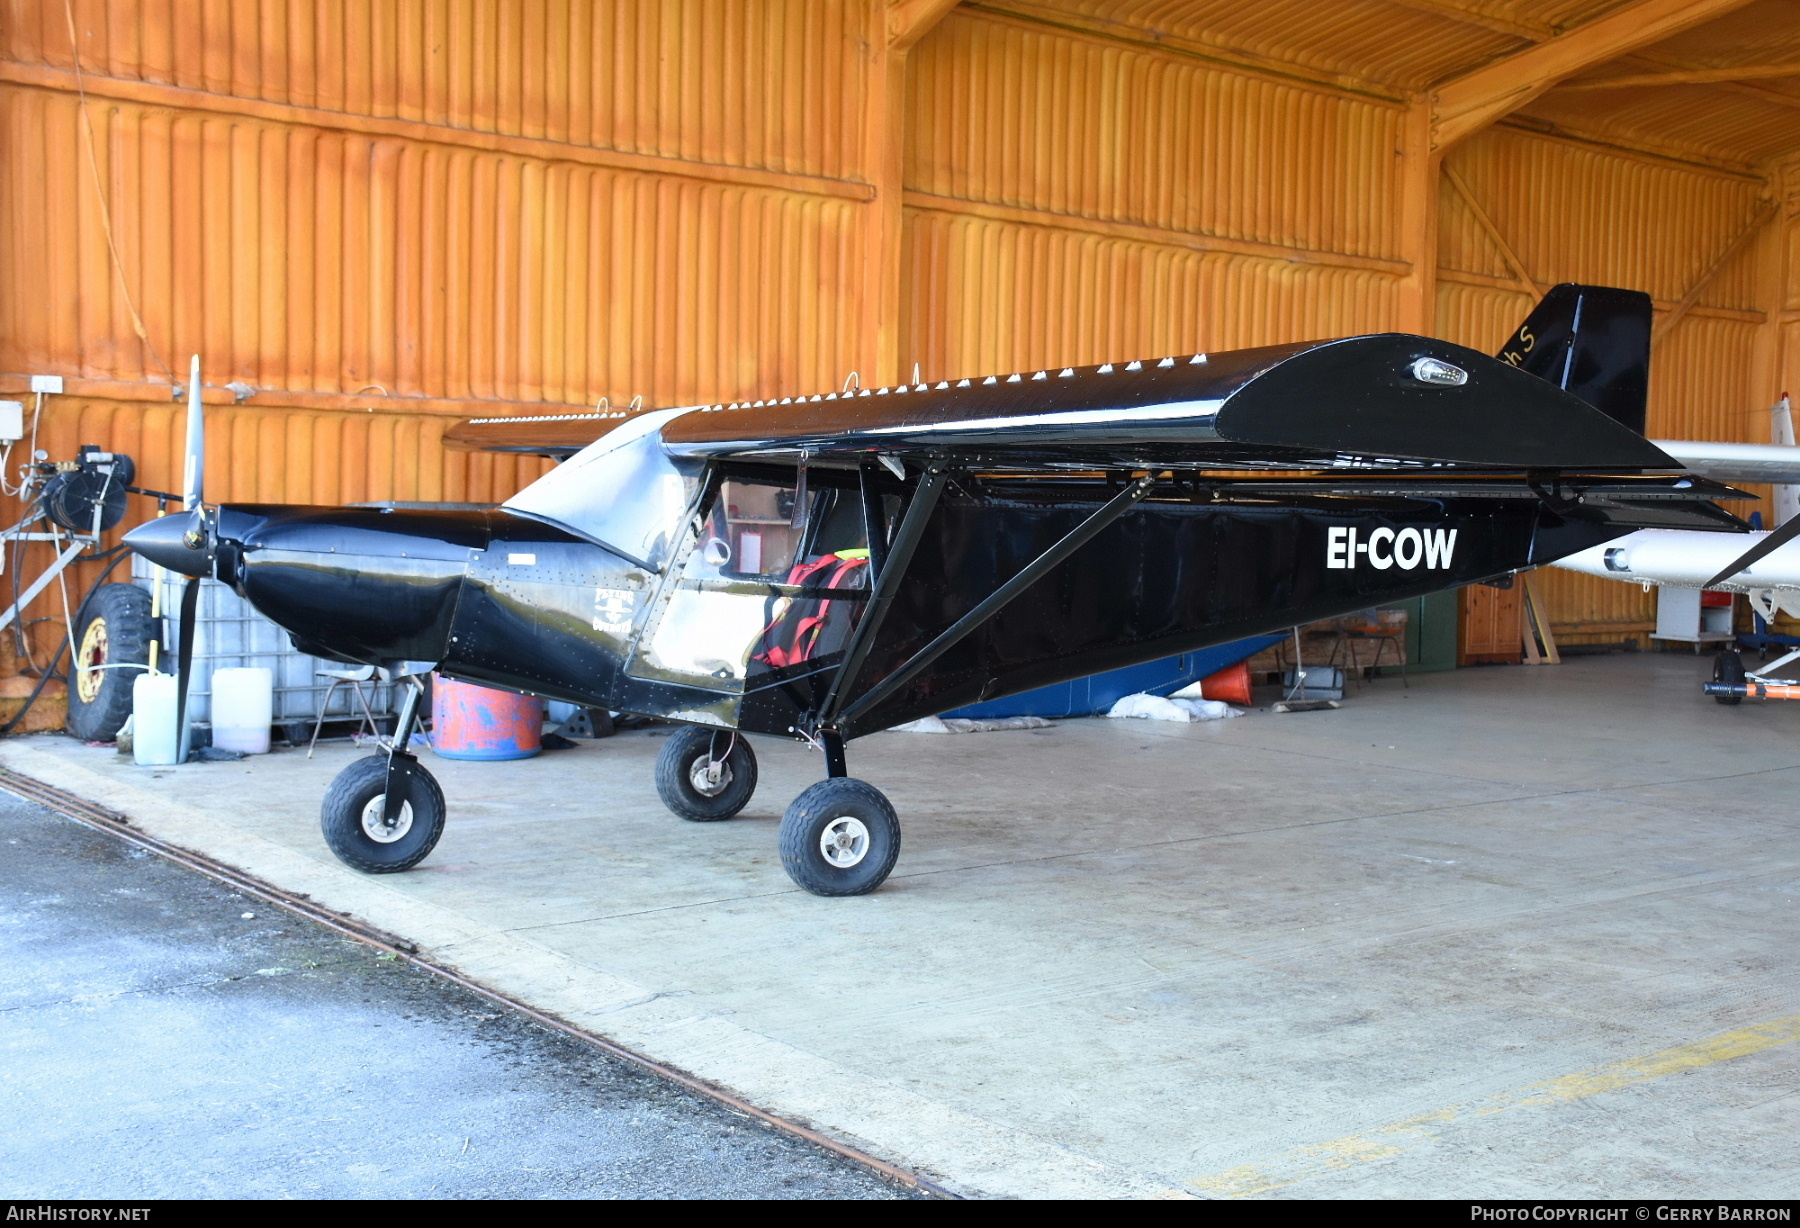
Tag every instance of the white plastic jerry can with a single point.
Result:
(155, 741)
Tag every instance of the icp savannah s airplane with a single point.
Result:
(826, 566)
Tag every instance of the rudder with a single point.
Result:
(1592, 341)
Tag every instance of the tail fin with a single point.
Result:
(1593, 341)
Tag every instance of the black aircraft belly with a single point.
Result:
(1171, 578)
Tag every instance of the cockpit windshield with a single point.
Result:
(623, 490)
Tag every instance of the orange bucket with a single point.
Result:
(1231, 684)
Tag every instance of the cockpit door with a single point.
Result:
(769, 576)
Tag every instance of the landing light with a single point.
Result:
(1437, 371)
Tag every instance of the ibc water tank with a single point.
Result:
(243, 708)
(154, 738)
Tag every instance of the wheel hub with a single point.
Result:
(844, 842)
(377, 828)
(90, 661)
(710, 777)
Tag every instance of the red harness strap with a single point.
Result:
(802, 634)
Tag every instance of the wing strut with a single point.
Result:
(1030, 574)
(888, 575)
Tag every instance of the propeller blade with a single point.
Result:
(1767, 546)
(193, 484)
(190, 601)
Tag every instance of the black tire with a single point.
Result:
(358, 789)
(1728, 667)
(114, 628)
(680, 780)
(871, 838)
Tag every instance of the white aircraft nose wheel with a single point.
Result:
(840, 837)
(355, 826)
(705, 775)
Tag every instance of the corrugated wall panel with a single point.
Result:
(1573, 212)
(773, 84)
(301, 260)
(993, 296)
(1043, 119)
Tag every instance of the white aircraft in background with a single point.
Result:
(1766, 570)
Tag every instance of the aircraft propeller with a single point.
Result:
(1782, 535)
(200, 535)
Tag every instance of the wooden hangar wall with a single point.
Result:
(385, 215)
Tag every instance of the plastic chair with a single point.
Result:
(354, 679)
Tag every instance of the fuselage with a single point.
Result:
(506, 599)
(1683, 558)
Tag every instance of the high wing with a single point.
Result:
(1388, 400)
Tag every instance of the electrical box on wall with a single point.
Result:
(48, 384)
(12, 421)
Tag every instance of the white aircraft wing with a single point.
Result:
(1735, 462)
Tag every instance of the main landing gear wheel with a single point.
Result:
(705, 775)
(356, 828)
(115, 630)
(1728, 667)
(840, 837)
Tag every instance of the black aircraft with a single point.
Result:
(823, 567)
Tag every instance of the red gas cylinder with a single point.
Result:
(478, 722)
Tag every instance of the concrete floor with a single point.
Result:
(1512, 932)
(166, 1037)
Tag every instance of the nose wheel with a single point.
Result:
(368, 835)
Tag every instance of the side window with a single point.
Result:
(752, 534)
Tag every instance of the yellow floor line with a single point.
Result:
(1246, 1181)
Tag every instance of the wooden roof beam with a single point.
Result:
(1690, 76)
(910, 20)
(1464, 106)
(1530, 31)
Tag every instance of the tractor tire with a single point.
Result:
(112, 638)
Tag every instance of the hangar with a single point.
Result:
(376, 222)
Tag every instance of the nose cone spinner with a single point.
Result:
(165, 541)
